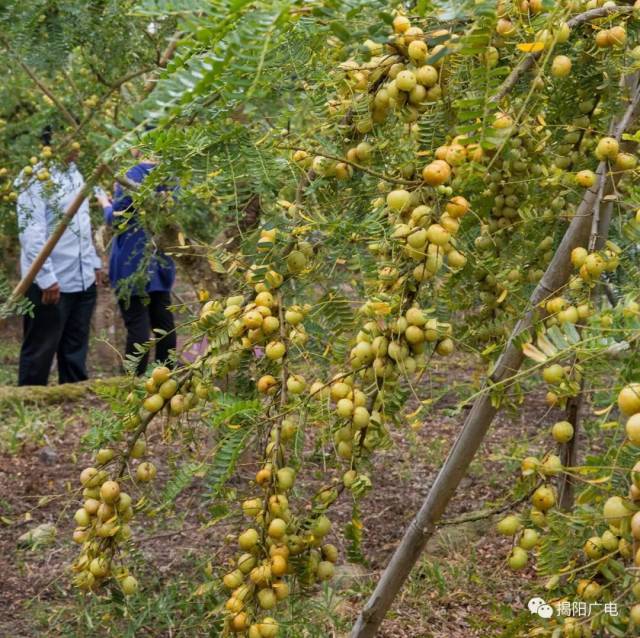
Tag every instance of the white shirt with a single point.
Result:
(73, 261)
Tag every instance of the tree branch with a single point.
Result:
(528, 62)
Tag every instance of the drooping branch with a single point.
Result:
(484, 410)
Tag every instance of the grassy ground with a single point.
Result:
(460, 587)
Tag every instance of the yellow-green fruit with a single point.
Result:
(146, 472)
(405, 80)
(578, 256)
(234, 579)
(275, 350)
(129, 586)
(518, 558)
(277, 528)
(360, 417)
(168, 389)
(615, 511)
(99, 567)
(398, 200)
(344, 408)
(280, 589)
(607, 148)
(160, 375)
(296, 384)
(416, 317)
(537, 517)
(110, 491)
(296, 261)
(82, 517)
(321, 526)
(177, 405)
(92, 505)
(445, 347)
(529, 539)
(90, 477)
(629, 399)
(609, 541)
(553, 374)
(104, 456)
(285, 478)
(267, 598)
(634, 615)
(153, 403)
(509, 525)
(252, 507)
(325, 570)
(632, 428)
(246, 563)
(551, 466)
(248, 539)
(561, 66)
(593, 548)
(345, 450)
(543, 498)
(138, 450)
(586, 179)
(562, 431)
(268, 628)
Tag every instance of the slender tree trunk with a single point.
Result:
(484, 409)
(569, 453)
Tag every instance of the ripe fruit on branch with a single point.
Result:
(586, 179)
(110, 492)
(632, 428)
(509, 526)
(518, 558)
(543, 498)
(628, 399)
(607, 148)
(561, 66)
(436, 173)
(562, 431)
(146, 472)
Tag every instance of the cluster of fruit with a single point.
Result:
(607, 149)
(7, 194)
(616, 536)
(102, 522)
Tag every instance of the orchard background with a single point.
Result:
(408, 391)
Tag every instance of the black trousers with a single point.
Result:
(60, 329)
(142, 315)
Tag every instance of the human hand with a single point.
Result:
(51, 295)
(103, 200)
(101, 279)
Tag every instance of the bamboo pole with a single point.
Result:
(483, 410)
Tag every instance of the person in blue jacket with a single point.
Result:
(136, 266)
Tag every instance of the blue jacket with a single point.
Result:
(129, 244)
(73, 262)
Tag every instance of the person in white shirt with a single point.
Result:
(64, 290)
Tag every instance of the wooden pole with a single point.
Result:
(54, 238)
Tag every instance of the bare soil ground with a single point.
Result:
(461, 587)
